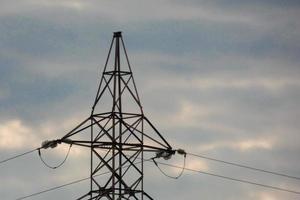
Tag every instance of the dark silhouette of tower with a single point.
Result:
(117, 133)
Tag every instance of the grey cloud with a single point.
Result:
(52, 53)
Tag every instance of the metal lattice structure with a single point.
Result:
(117, 132)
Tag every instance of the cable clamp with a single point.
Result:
(181, 152)
(164, 154)
(50, 144)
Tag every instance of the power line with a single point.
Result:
(55, 188)
(169, 176)
(70, 183)
(192, 154)
(244, 166)
(170, 165)
(60, 186)
(233, 179)
(17, 156)
(183, 168)
(188, 153)
(57, 166)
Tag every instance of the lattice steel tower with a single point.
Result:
(117, 132)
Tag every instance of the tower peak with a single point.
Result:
(118, 34)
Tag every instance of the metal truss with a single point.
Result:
(117, 133)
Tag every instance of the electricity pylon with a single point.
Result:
(117, 133)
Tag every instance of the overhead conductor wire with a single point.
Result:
(174, 166)
(232, 179)
(244, 166)
(57, 187)
(170, 165)
(57, 166)
(179, 151)
(19, 155)
(70, 183)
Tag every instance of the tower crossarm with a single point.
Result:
(117, 133)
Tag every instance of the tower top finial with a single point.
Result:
(118, 34)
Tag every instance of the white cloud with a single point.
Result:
(225, 72)
(10, 8)
(190, 114)
(197, 164)
(271, 84)
(56, 129)
(263, 196)
(127, 11)
(191, 163)
(252, 144)
(264, 83)
(15, 135)
(242, 145)
(71, 4)
(136, 11)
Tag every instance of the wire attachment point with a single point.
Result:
(165, 154)
(50, 144)
(181, 152)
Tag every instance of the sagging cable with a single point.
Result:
(52, 144)
(180, 152)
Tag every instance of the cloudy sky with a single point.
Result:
(217, 77)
